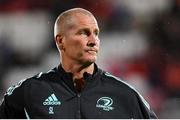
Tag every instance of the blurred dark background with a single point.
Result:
(140, 43)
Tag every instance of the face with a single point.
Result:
(81, 40)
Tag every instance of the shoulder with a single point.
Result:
(111, 79)
(123, 86)
(25, 83)
(17, 94)
(44, 76)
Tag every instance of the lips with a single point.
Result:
(92, 51)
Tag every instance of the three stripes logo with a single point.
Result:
(52, 100)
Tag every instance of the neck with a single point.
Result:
(78, 70)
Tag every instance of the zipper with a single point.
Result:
(78, 112)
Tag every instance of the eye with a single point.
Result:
(96, 32)
(85, 32)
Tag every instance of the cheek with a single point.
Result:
(98, 44)
(74, 47)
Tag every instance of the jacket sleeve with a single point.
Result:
(144, 108)
(12, 105)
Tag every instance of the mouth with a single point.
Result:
(92, 51)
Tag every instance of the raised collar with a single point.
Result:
(67, 77)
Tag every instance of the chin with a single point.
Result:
(90, 61)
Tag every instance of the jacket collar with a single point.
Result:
(67, 77)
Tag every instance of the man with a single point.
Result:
(77, 88)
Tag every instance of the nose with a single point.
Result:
(93, 40)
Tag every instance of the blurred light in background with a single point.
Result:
(139, 43)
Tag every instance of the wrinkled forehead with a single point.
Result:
(82, 19)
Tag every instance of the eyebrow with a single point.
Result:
(88, 29)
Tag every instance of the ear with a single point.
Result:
(59, 42)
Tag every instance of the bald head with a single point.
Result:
(64, 20)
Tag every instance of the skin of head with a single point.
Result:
(76, 35)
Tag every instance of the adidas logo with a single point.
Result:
(52, 100)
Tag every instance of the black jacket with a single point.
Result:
(52, 95)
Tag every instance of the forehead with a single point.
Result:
(85, 20)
